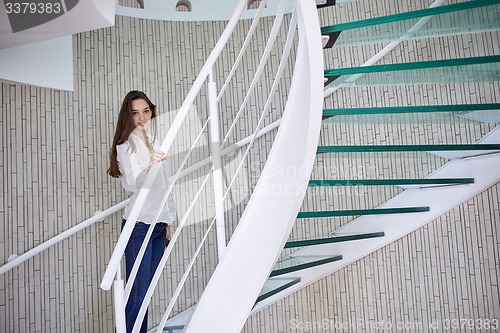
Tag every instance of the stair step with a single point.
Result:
(274, 286)
(356, 212)
(412, 65)
(452, 19)
(294, 264)
(337, 239)
(398, 148)
(410, 109)
(378, 182)
(479, 69)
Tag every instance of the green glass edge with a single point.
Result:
(304, 266)
(375, 182)
(277, 290)
(337, 239)
(410, 109)
(392, 148)
(352, 212)
(412, 65)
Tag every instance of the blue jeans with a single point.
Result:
(152, 256)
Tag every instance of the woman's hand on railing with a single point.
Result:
(158, 156)
(169, 233)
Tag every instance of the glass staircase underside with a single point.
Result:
(453, 19)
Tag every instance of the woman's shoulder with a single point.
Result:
(123, 149)
(123, 146)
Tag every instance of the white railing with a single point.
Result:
(16, 260)
(265, 224)
(216, 170)
(260, 68)
(114, 263)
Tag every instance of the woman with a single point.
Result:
(132, 153)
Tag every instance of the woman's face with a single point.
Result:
(141, 114)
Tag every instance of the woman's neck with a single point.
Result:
(142, 134)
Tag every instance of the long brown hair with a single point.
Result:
(125, 126)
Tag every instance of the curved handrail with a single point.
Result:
(62, 236)
(170, 137)
(167, 142)
(294, 146)
(159, 270)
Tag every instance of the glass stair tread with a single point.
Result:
(380, 182)
(173, 329)
(432, 114)
(474, 69)
(336, 239)
(470, 118)
(273, 286)
(356, 212)
(429, 64)
(408, 15)
(452, 19)
(398, 148)
(297, 263)
(411, 109)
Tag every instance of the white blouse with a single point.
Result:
(134, 166)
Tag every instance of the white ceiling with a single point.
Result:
(94, 14)
(42, 55)
(35, 55)
(73, 21)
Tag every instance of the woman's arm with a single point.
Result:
(135, 165)
(133, 170)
